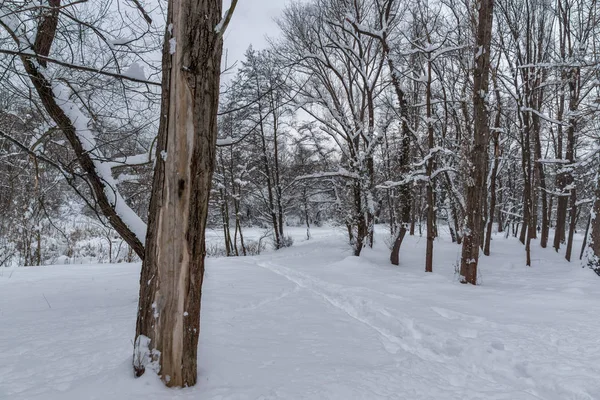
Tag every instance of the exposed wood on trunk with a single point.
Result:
(168, 321)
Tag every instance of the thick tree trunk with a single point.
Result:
(475, 191)
(168, 322)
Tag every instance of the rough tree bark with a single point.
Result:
(429, 172)
(593, 257)
(168, 322)
(475, 191)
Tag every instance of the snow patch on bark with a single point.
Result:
(145, 358)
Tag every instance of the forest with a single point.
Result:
(453, 134)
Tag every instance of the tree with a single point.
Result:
(74, 107)
(168, 322)
(476, 185)
(593, 255)
(339, 73)
(386, 22)
(264, 86)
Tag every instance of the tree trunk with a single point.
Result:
(225, 219)
(572, 224)
(545, 229)
(500, 203)
(405, 198)
(429, 172)
(574, 87)
(277, 182)
(475, 191)
(306, 216)
(267, 171)
(168, 322)
(561, 176)
(593, 257)
(494, 172)
(490, 222)
(360, 220)
(236, 204)
(585, 237)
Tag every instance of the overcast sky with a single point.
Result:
(252, 21)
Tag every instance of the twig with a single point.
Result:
(78, 67)
(144, 13)
(47, 302)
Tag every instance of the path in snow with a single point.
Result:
(312, 322)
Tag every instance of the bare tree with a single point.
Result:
(339, 73)
(593, 256)
(57, 81)
(478, 152)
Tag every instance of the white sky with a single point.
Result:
(252, 21)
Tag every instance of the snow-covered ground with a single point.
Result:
(312, 322)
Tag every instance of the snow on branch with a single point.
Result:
(339, 173)
(131, 161)
(81, 123)
(127, 76)
(224, 23)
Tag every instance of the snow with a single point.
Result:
(226, 141)
(135, 71)
(86, 137)
(480, 52)
(313, 322)
(221, 24)
(137, 159)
